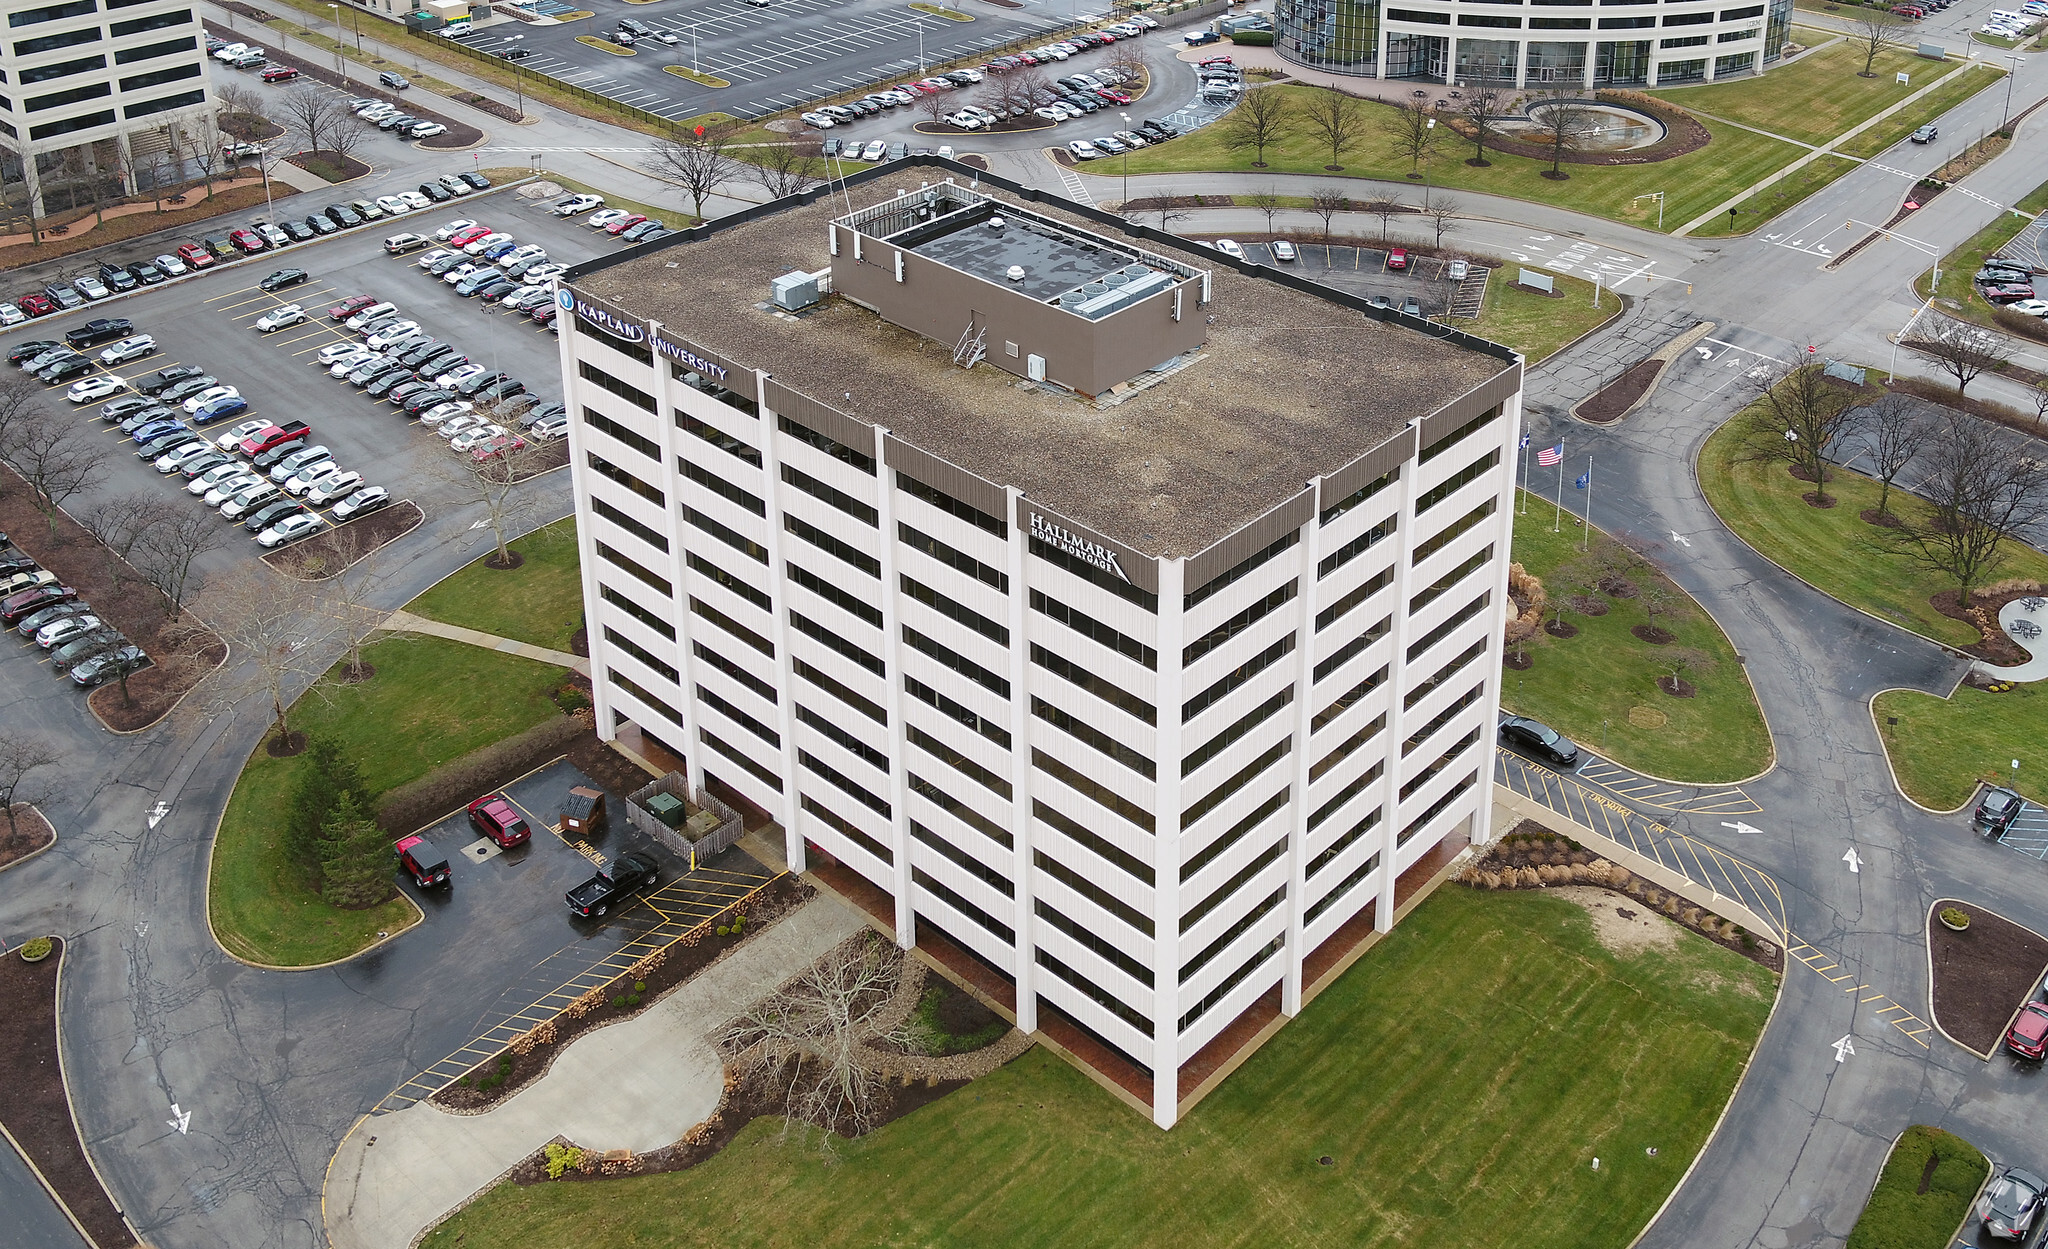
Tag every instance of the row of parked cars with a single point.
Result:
(2011, 283)
(37, 605)
(266, 478)
(2008, 24)
(386, 116)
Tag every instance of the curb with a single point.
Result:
(37, 1171)
(64, 1079)
(1987, 1057)
(48, 845)
(227, 652)
(1886, 751)
(1677, 346)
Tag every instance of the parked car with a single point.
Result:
(426, 865)
(614, 882)
(2028, 1036)
(361, 503)
(2011, 1204)
(497, 818)
(1996, 811)
(15, 607)
(2008, 292)
(1539, 739)
(280, 73)
(1397, 259)
(279, 318)
(194, 255)
(107, 665)
(129, 349)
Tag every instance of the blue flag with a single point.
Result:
(1525, 442)
(1584, 480)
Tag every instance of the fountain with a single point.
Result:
(1611, 128)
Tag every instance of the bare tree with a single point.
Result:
(1795, 415)
(1031, 89)
(2040, 397)
(1567, 123)
(21, 754)
(346, 135)
(1415, 135)
(784, 169)
(120, 522)
(1166, 206)
(1893, 434)
(936, 107)
(1980, 494)
(1261, 119)
(1962, 351)
(1873, 32)
(1267, 202)
(1326, 202)
(816, 1035)
(1386, 208)
(1679, 662)
(1443, 216)
(1483, 106)
(697, 160)
(274, 629)
(348, 597)
(21, 397)
(309, 112)
(494, 485)
(244, 113)
(55, 456)
(202, 148)
(1337, 119)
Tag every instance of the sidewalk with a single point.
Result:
(636, 1085)
(406, 622)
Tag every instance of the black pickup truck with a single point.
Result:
(621, 878)
(104, 330)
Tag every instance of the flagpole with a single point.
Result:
(1557, 521)
(1586, 543)
(1525, 474)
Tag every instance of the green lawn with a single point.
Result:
(1462, 1077)
(1816, 97)
(1586, 686)
(1953, 91)
(1832, 548)
(1765, 205)
(430, 701)
(1534, 325)
(1941, 748)
(1693, 183)
(1912, 1209)
(540, 602)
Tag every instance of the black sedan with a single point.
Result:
(264, 517)
(65, 370)
(1540, 740)
(147, 273)
(187, 387)
(320, 225)
(30, 350)
(283, 278)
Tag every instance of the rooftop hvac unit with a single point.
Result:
(793, 291)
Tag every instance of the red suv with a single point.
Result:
(247, 240)
(496, 818)
(350, 306)
(28, 602)
(194, 255)
(418, 856)
(2028, 1036)
(36, 305)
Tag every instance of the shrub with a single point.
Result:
(1955, 917)
(416, 804)
(1899, 1216)
(562, 1158)
(1253, 39)
(36, 948)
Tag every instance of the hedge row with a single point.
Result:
(454, 784)
(1912, 1208)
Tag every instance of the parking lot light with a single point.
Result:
(337, 36)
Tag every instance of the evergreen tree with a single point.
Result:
(355, 868)
(324, 776)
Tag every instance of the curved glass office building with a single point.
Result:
(1611, 43)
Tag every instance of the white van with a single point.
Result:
(369, 314)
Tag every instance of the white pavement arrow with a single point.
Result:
(1706, 353)
(1741, 827)
(1854, 860)
(180, 1119)
(158, 812)
(1680, 538)
(1844, 1048)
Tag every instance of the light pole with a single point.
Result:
(2006, 113)
(1127, 162)
(695, 68)
(518, 83)
(337, 36)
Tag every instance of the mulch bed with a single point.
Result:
(1587, 605)
(503, 112)
(31, 833)
(1561, 630)
(510, 1070)
(1883, 520)
(319, 557)
(1613, 401)
(1814, 498)
(324, 165)
(1518, 661)
(1618, 587)
(1653, 635)
(1982, 974)
(118, 594)
(1530, 852)
(605, 765)
(1677, 687)
(1994, 647)
(35, 1109)
(460, 134)
(1153, 203)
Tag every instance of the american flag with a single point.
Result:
(1549, 457)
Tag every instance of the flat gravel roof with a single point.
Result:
(1288, 386)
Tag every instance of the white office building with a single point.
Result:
(1128, 616)
(109, 80)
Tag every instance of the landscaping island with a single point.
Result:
(1923, 1194)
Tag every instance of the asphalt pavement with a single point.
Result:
(33, 1220)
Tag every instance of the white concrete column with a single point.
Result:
(1483, 832)
(1022, 870)
(33, 182)
(892, 663)
(1522, 62)
(785, 669)
(1166, 854)
(672, 529)
(125, 153)
(1592, 54)
(1405, 539)
(586, 540)
(1306, 604)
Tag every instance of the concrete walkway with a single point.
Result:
(637, 1085)
(2036, 666)
(406, 622)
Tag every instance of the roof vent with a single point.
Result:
(995, 223)
(1015, 273)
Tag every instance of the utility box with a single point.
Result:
(667, 808)
(794, 291)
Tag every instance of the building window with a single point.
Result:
(702, 385)
(1627, 23)
(1687, 19)
(1560, 23)
(852, 604)
(1095, 576)
(741, 588)
(1435, 809)
(633, 567)
(951, 506)
(1440, 719)
(1451, 532)
(718, 438)
(1102, 794)
(960, 561)
(1103, 947)
(852, 789)
(1437, 765)
(63, 69)
(947, 707)
(1230, 736)
(1346, 701)
(637, 612)
(812, 629)
(1236, 833)
(765, 775)
(50, 13)
(1365, 590)
(958, 612)
(611, 472)
(1088, 735)
(1489, 19)
(639, 442)
(1094, 630)
(831, 545)
(1359, 496)
(1688, 41)
(1458, 435)
(830, 494)
(962, 812)
(1238, 572)
(1236, 677)
(734, 627)
(615, 516)
(1353, 549)
(739, 675)
(1090, 890)
(1348, 747)
(963, 860)
(157, 78)
(1239, 623)
(846, 741)
(633, 351)
(1449, 626)
(1339, 846)
(829, 445)
(640, 653)
(839, 824)
(605, 381)
(1350, 650)
(1736, 15)
(825, 682)
(1343, 887)
(50, 43)
(654, 704)
(1443, 674)
(1223, 891)
(1232, 933)
(1734, 36)
(741, 718)
(1346, 794)
(1450, 579)
(1419, 17)
(731, 537)
(721, 487)
(1444, 489)
(997, 928)
(58, 99)
(958, 762)
(1243, 777)
(946, 655)
(1108, 851)
(1099, 995)
(1108, 691)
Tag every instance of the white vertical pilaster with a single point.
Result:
(1504, 535)
(1390, 785)
(586, 541)
(1305, 603)
(1021, 869)
(1166, 851)
(778, 628)
(892, 665)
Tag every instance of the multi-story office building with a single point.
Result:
(1535, 44)
(125, 75)
(1128, 615)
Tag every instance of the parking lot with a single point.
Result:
(1363, 271)
(206, 321)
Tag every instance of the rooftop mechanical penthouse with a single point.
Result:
(1117, 620)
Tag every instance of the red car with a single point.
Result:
(496, 818)
(2008, 292)
(545, 314)
(280, 73)
(272, 435)
(1113, 95)
(1206, 62)
(14, 609)
(2029, 1034)
(247, 240)
(498, 446)
(463, 238)
(418, 856)
(194, 255)
(350, 306)
(36, 305)
(1397, 258)
(624, 224)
